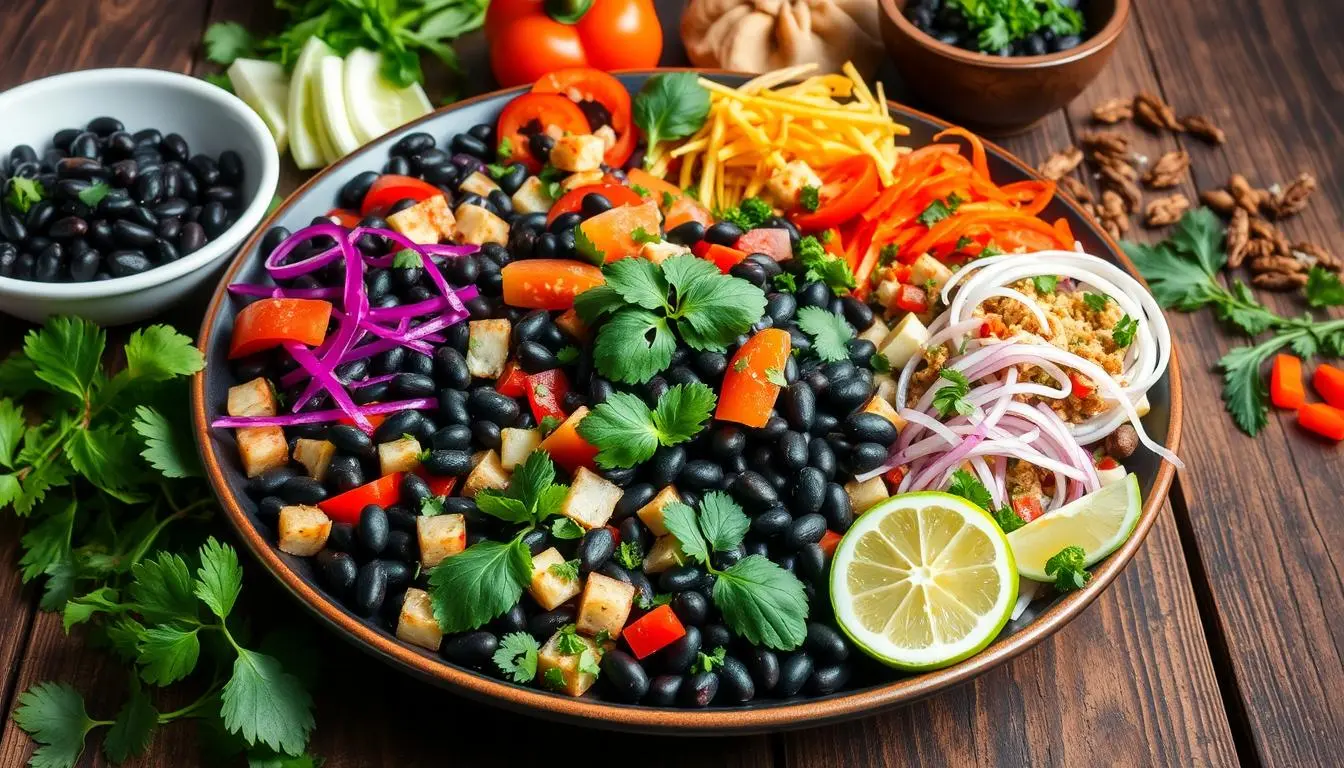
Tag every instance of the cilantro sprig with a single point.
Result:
(749, 214)
(1068, 569)
(998, 23)
(820, 265)
(937, 210)
(517, 657)
(969, 487)
(950, 395)
(626, 432)
(24, 193)
(829, 332)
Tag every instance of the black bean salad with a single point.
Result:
(100, 202)
(1002, 27)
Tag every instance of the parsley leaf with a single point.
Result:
(634, 345)
(266, 704)
(1067, 566)
(629, 555)
(532, 495)
(879, 363)
(565, 529)
(588, 663)
(167, 653)
(626, 432)
(642, 236)
(54, 715)
(134, 727)
(679, 519)
(554, 679)
(940, 209)
(407, 259)
(820, 265)
(1045, 283)
(481, 582)
(951, 397)
(1096, 301)
(722, 521)
(1007, 519)
(1323, 288)
(638, 281)
(169, 447)
(568, 570)
(226, 41)
(670, 106)
(567, 354)
(749, 214)
(67, 353)
(969, 487)
(1124, 330)
(163, 588)
(785, 282)
(548, 425)
(708, 662)
(94, 194)
(810, 198)
(829, 332)
(220, 577)
(516, 656)
(712, 308)
(23, 193)
(763, 603)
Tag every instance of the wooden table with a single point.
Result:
(1222, 642)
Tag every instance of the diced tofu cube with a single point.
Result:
(479, 184)
(488, 473)
(875, 332)
(314, 455)
(930, 274)
(661, 251)
(785, 184)
(664, 554)
(591, 499)
(863, 495)
(253, 398)
(427, 222)
(400, 455)
(1113, 475)
(578, 152)
(576, 683)
(262, 448)
(549, 588)
(488, 347)
(651, 514)
(303, 530)
(477, 226)
(532, 197)
(440, 537)
(904, 341)
(1143, 406)
(516, 444)
(605, 605)
(576, 180)
(416, 624)
(608, 137)
(881, 407)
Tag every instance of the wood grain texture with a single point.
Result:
(16, 605)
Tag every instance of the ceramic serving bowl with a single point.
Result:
(999, 95)
(209, 118)
(879, 688)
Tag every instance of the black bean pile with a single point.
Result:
(944, 21)
(787, 475)
(113, 203)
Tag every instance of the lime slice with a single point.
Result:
(306, 134)
(923, 580)
(330, 98)
(1098, 522)
(376, 106)
(264, 86)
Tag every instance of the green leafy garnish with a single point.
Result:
(1096, 301)
(516, 657)
(626, 432)
(565, 529)
(94, 194)
(999, 23)
(567, 354)
(629, 555)
(969, 487)
(23, 193)
(810, 199)
(950, 397)
(641, 236)
(504, 152)
(668, 199)
(1124, 330)
(1007, 519)
(1323, 288)
(708, 662)
(670, 106)
(940, 209)
(820, 265)
(879, 363)
(1045, 283)
(407, 259)
(828, 330)
(749, 214)
(554, 679)
(1068, 569)
(587, 249)
(785, 282)
(568, 570)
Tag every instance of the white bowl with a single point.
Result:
(209, 118)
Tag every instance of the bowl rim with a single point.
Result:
(251, 216)
(1097, 42)
(646, 719)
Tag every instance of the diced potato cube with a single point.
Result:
(516, 444)
(785, 184)
(400, 455)
(1143, 406)
(488, 473)
(875, 332)
(253, 398)
(607, 135)
(664, 554)
(651, 514)
(576, 683)
(314, 455)
(930, 274)
(303, 530)
(884, 386)
(578, 152)
(661, 251)
(532, 197)
(440, 537)
(904, 341)
(863, 495)
(416, 624)
(576, 180)
(549, 588)
(1113, 475)
(477, 226)
(605, 605)
(879, 405)
(427, 222)
(479, 184)
(591, 499)
(262, 448)
(487, 347)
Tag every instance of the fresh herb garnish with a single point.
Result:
(1068, 569)
(626, 432)
(496, 170)
(567, 354)
(407, 259)
(1096, 301)
(568, 570)
(554, 679)
(879, 363)
(640, 190)
(23, 193)
(828, 330)
(999, 23)
(1323, 288)
(642, 236)
(516, 657)
(749, 214)
(969, 487)
(1123, 332)
(587, 249)
(776, 377)
(1046, 283)
(820, 265)
(505, 153)
(629, 555)
(670, 106)
(940, 209)
(94, 194)
(668, 199)
(548, 425)
(785, 282)
(565, 529)
(950, 398)
(708, 662)
(810, 198)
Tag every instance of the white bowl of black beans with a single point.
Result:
(123, 190)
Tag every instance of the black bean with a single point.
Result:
(596, 547)
(448, 463)
(835, 507)
(131, 235)
(829, 679)
(412, 385)
(394, 426)
(793, 451)
(806, 529)
(338, 570)
(485, 403)
(192, 239)
(84, 145)
(626, 677)
(715, 636)
(723, 233)
(870, 427)
(820, 455)
(810, 562)
(164, 251)
(214, 219)
(772, 522)
(691, 607)
(418, 363)
(631, 529)
(633, 499)
(754, 490)
(681, 578)
(345, 473)
(470, 650)
(351, 440)
(686, 234)
(798, 405)
(226, 196)
(370, 588)
(752, 273)
(414, 490)
(512, 620)
(663, 690)
(735, 683)
(825, 644)
(467, 144)
(372, 530)
(452, 437)
(398, 573)
(794, 671)
(866, 457)
(678, 655)
(536, 541)
(410, 144)
(764, 667)
(666, 464)
(861, 352)
(47, 268)
(104, 126)
(401, 519)
(83, 265)
(543, 625)
(302, 490)
(847, 394)
(453, 407)
(699, 689)
(643, 587)
(268, 483)
(701, 474)
(533, 357)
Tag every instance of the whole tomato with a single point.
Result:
(529, 38)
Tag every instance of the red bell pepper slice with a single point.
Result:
(567, 447)
(345, 507)
(439, 486)
(268, 323)
(1285, 382)
(390, 189)
(1325, 420)
(774, 243)
(1081, 386)
(545, 393)
(847, 188)
(829, 541)
(653, 631)
(343, 216)
(1107, 462)
(750, 386)
(572, 200)
(512, 382)
(723, 257)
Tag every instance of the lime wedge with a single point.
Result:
(923, 580)
(375, 105)
(264, 86)
(330, 96)
(306, 133)
(1098, 522)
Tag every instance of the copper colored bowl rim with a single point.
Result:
(750, 719)
(1097, 42)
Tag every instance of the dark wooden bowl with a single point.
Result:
(881, 688)
(998, 95)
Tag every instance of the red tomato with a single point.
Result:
(723, 257)
(391, 188)
(654, 630)
(1081, 386)
(345, 217)
(829, 541)
(912, 299)
(895, 475)
(572, 200)
(548, 283)
(567, 447)
(546, 392)
(268, 323)
(549, 111)
(993, 327)
(529, 38)
(345, 507)
(846, 189)
(1028, 507)
(748, 393)
(1107, 462)
(512, 382)
(587, 84)
(684, 209)
(774, 243)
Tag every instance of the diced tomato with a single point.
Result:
(992, 327)
(1325, 420)
(1028, 507)
(750, 385)
(512, 382)
(829, 541)
(550, 113)
(345, 507)
(547, 283)
(911, 299)
(343, 216)
(268, 323)
(846, 188)
(572, 200)
(609, 236)
(895, 476)
(546, 394)
(653, 631)
(774, 243)
(1329, 382)
(389, 189)
(439, 486)
(567, 447)
(1285, 382)
(684, 209)
(664, 193)
(570, 322)
(588, 84)
(375, 419)
(1081, 386)
(1107, 462)
(724, 258)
